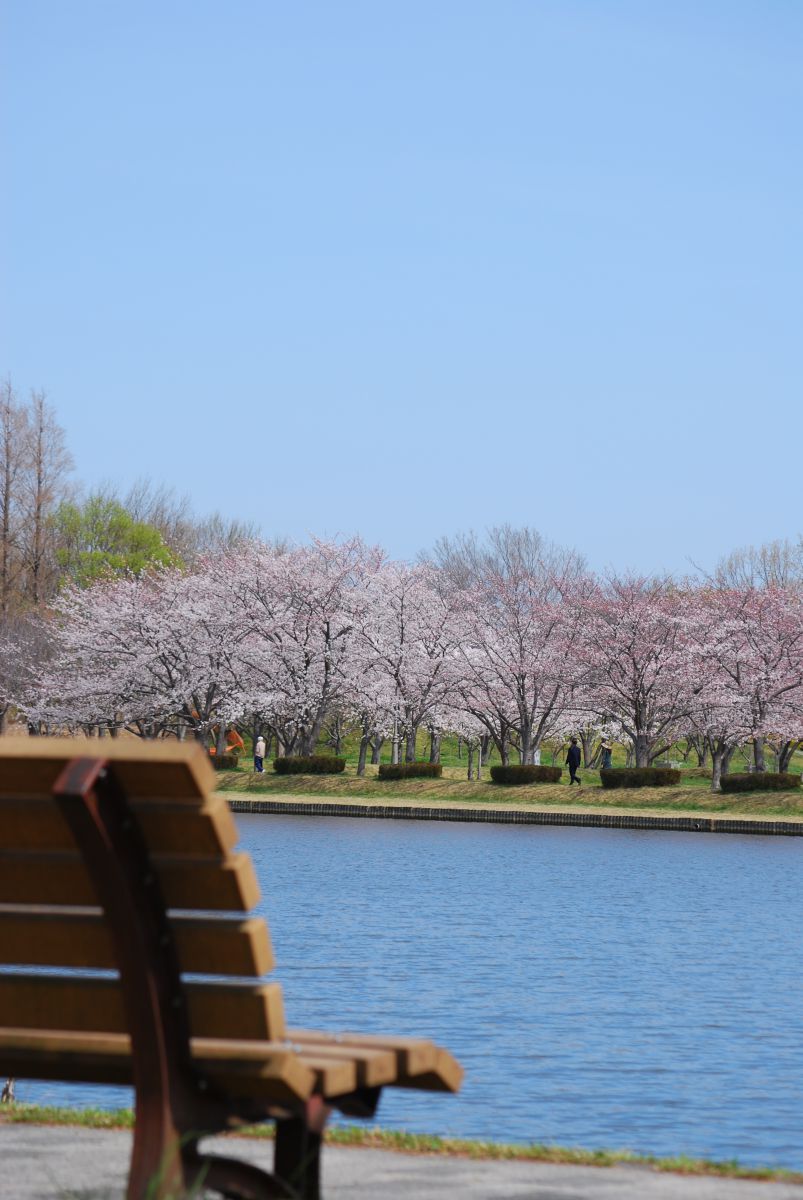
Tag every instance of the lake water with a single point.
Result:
(602, 988)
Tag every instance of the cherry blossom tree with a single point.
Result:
(518, 643)
(409, 636)
(299, 609)
(143, 653)
(634, 656)
(748, 659)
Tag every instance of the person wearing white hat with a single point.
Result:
(259, 755)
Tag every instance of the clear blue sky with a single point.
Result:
(406, 267)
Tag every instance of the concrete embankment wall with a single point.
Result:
(589, 820)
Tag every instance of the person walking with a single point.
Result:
(573, 762)
(606, 756)
(259, 755)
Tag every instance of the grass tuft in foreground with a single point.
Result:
(422, 1143)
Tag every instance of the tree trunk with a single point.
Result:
(717, 757)
(504, 752)
(525, 744)
(485, 749)
(409, 754)
(376, 749)
(587, 742)
(470, 749)
(220, 741)
(336, 735)
(758, 754)
(642, 749)
(785, 754)
(364, 740)
(434, 746)
(726, 760)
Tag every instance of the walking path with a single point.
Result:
(55, 1163)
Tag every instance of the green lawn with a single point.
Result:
(693, 795)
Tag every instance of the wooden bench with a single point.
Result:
(119, 886)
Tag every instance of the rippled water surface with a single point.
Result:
(601, 988)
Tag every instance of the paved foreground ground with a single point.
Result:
(41, 1163)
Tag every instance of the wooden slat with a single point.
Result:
(165, 768)
(268, 1071)
(206, 828)
(55, 938)
(413, 1055)
(209, 884)
(265, 1072)
(373, 1067)
(332, 1076)
(209, 947)
(48, 1002)
(420, 1063)
(445, 1076)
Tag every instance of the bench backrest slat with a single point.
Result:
(215, 885)
(201, 827)
(206, 946)
(95, 1005)
(155, 770)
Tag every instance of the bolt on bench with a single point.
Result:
(118, 874)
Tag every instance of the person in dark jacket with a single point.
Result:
(573, 762)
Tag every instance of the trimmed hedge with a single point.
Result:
(224, 762)
(419, 770)
(759, 781)
(637, 777)
(310, 764)
(525, 773)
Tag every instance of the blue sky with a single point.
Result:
(408, 268)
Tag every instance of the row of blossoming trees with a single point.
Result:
(510, 650)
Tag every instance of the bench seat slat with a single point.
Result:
(95, 1005)
(207, 828)
(206, 946)
(268, 1071)
(419, 1063)
(333, 1077)
(374, 1067)
(219, 885)
(413, 1055)
(445, 1076)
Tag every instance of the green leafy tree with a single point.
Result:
(100, 538)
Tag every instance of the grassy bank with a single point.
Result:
(416, 1143)
(692, 796)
